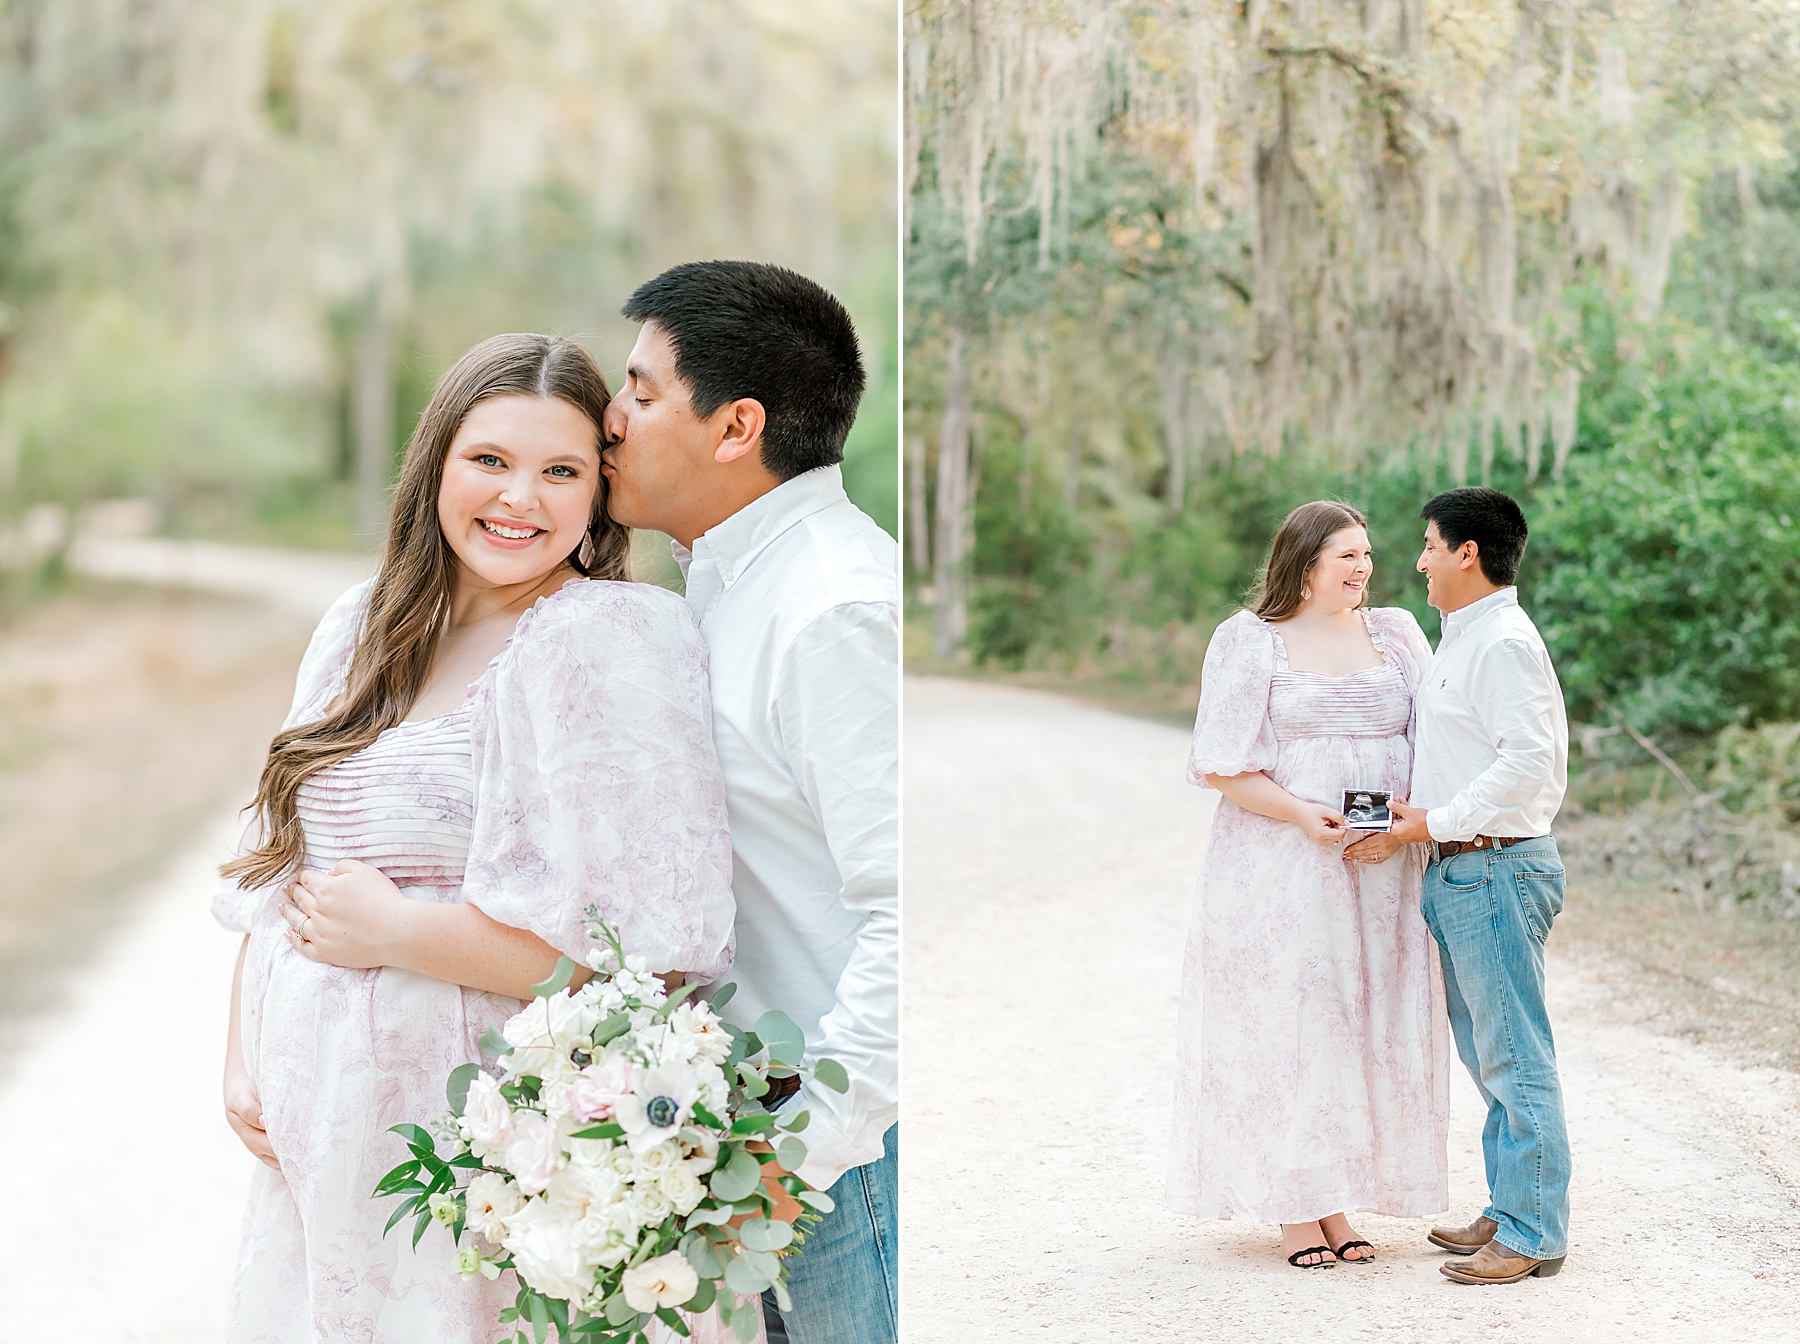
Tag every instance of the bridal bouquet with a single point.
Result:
(611, 1155)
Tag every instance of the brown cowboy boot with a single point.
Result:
(1464, 1240)
(1495, 1263)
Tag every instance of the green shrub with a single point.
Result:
(1668, 564)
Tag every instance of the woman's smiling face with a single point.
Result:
(518, 488)
(1340, 575)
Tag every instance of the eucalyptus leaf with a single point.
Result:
(736, 1178)
(751, 1082)
(766, 1234)
(613, 1028)
(796, 1122)
(705, 1260)
(743, 1277)
(723, 995)
(619, 1311)
(782, 1299)
(791, 1153)
(817, 1199)
(766, 1265)
(831, 1074)
(702, 1299)
(709, 1217)
(781, 1037)
(760, 1123)
(457, 1089)
(494, 1043)
(558, 980)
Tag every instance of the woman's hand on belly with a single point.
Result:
(352, 917)
(1375, 847)
(243, 1112)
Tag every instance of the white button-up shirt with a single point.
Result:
(798, 596)
(1491, 755)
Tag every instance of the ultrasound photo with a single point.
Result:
(1367, 810)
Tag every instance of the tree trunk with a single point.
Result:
(372, 421)
(954, 514)
(917, 532)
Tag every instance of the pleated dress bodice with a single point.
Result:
(404, 804)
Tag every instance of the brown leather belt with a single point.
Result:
(1445, 848)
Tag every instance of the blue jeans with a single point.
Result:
(1490, 911)
(845, 1283)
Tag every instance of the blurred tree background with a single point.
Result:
(240, 240)
(1175, 266)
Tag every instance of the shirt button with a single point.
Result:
(730, 573)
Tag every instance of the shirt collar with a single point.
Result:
(1463, 619)
(731, 547)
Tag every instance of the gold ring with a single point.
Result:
(305, 924)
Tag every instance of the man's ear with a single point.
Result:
(1468, 555)
(741, 428)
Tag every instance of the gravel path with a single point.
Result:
(1051, 851)
(126, 1187)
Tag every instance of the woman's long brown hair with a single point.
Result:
(409, 606)
(1294, 552)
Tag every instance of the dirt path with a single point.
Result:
(139, 718)
(1051, 851)
(126, 1187)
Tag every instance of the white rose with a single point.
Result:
(533, 1153)
(667, 1281)
(487, 1117)
(545, 1030)
(653, 1204)
(682, 1187)
(698, 1024)
(656, 1159)
(547, 1252)
(492, 1199)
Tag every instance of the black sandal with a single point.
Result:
(1294, 1259)
(1360, 1260)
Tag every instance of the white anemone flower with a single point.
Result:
(659, 1104)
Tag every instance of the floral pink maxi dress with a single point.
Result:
(580, 770)
(1311, 1072)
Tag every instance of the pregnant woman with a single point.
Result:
(1310, 1079)
(492, 734)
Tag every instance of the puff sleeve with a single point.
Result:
(597, 781)
(1232, 733)
(323, 669)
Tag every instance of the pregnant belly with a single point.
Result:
(1319, 769)
(339, 1055)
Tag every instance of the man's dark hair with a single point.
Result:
(1493, 521)
(745, 329)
